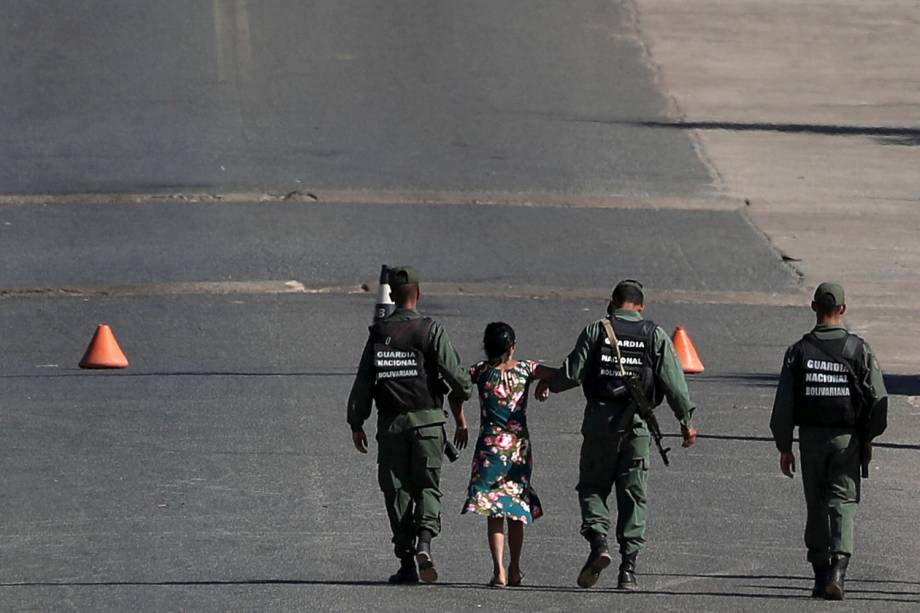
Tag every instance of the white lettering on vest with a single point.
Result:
(627, 343)
(825, 366)
(396, 374)
(394, 354)
(827, 391)
(818, 377)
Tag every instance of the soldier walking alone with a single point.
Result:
(831, 387)
(615, 448)
(401, 371)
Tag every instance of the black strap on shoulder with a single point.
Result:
(648, 328)
(851, 346)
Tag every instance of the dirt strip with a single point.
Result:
(345, 196)
(490, 290)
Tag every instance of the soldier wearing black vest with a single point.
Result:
(406, 361)
(615, 455)
(831, 387)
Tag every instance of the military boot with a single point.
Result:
(834, 590)
(627, 577)
(406, 573)
(598, 560)
(822, 571)
(426, 570)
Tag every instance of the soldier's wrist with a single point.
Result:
(356, 429)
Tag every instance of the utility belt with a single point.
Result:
(417, 418)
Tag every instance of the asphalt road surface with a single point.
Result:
(203, 95)
(216, 473)
(317, 244)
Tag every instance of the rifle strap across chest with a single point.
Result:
(612, 336)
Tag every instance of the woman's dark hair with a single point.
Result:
(497, 340)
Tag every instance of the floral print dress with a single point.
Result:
(500, 476)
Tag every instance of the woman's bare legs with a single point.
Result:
(496, 527)
(515, 544)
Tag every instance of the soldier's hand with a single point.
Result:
(461, 437)
(689, 435)
(360, 440)
(787, 463)
(542, 392)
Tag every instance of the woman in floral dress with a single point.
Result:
(500, 481)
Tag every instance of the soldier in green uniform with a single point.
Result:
(615, 455)
(406, 361)
(831, 387)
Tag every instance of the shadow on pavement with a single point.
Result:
(903, 385)
(784, 592)
(83, 373)
(883, 134)
(850, 591)
(751, 379)
(769, 439)
(726, 437)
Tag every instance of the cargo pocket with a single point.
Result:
(430, 445)
(429, 449)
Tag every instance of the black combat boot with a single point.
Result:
(406, 573)
(627, 577)
(834, 590)
(598, 560)
(822, 572)
(426, 570)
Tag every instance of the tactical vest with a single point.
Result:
(405, 366)
(603, 382)
(825, 391)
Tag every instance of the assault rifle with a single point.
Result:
(640, 403)
(643, 407)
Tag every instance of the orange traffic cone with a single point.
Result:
(686, 352)
(103, 351)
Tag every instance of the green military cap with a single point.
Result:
(830, 294)
(629, 283)
(403, 275)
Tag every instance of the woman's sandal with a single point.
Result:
(494, 582)
(518, 582)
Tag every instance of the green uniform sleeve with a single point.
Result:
(670, 377)
(572, 373)
(456, 376)
(361, 397)
(874, 380)
(782, 420)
